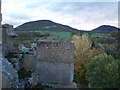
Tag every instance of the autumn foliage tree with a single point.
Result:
(82, 48)
(83, 53)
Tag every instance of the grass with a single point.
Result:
(57, 36)
(27, 37)
(34, 35)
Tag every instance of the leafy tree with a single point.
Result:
(83, 53)
(82, 47)
(102, 72)
(83, 50)
(115, 34)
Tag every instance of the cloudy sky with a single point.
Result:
(85, 15)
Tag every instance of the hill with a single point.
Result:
(105, 29)
(44, 25)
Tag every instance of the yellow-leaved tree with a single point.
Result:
(83, 53)
(82, 48)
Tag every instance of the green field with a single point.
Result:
(53, 36)
(95, 35)
(57, 36)
(27, 37)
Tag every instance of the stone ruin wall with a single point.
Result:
(55, 52)
(8, 75)
(7, 40)
(53, 62)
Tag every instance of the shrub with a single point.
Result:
(102, 72)
(113, 49)
(115, 34)
(79, 74)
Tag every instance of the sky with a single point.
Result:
(82, 15)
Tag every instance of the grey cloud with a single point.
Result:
(73, 13)
(93, 13)
(20, 16)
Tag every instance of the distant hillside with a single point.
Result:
(44, 25)
(105, 29)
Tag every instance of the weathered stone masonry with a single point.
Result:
(56, 52)
(53, 62)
